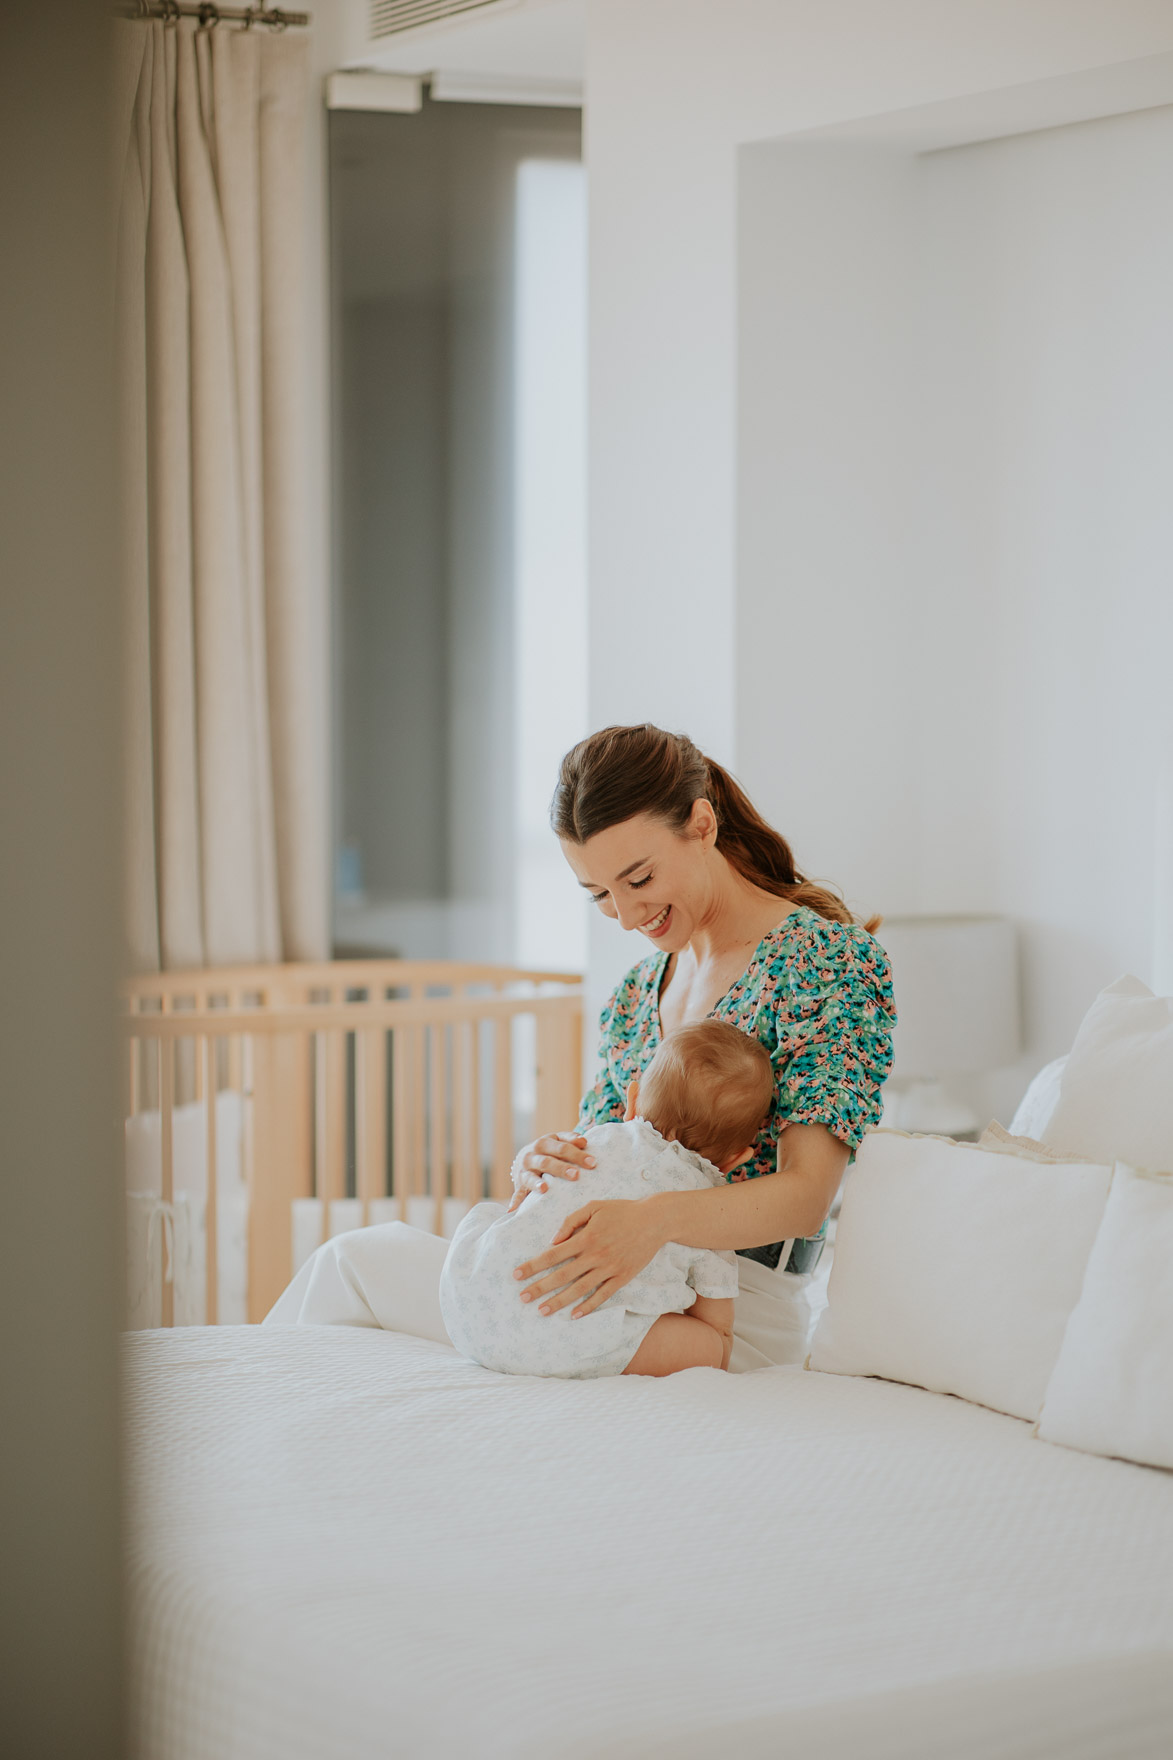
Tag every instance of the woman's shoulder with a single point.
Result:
(818, 953)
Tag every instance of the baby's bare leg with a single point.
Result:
(717, 1312)
(700, 1339)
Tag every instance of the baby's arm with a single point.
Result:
(700, 1339)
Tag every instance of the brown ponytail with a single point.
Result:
(622, 771)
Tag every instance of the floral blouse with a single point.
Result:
(819, 997)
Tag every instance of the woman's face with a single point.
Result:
(649, 877)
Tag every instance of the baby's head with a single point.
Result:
(708, 1087)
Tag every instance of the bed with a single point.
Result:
(352, 1543)
(355, 1543)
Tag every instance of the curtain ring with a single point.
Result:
(209, 17)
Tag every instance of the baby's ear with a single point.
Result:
(738, 1158)
(632, 1101)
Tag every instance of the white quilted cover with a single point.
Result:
(356, 1544)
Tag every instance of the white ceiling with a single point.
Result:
(538, 40)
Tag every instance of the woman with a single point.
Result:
(667, 843)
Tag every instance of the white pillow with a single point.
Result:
(1039, 1102)
(956, 1267)
(1112, 1389)
(1116, 1097)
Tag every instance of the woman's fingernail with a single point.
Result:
(527, 1295)
(590, 1161)
(543, 1310)
(573, 1174)
(517, 1273)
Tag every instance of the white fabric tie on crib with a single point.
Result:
(164, 1225)
(164, 1214)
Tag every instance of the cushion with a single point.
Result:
(956, 1267)
(1112, 1389)
(995, 1136)
(1116, 1097)
(1039, 1102)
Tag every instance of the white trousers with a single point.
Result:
(388, 1276)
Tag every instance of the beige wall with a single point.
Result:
(60, 1258)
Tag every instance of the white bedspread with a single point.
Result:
(348, 1545)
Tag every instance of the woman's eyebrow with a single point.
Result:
(591, 887)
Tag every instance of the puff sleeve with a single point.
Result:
(834, 1048)
(604, 1103)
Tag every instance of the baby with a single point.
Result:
(701, 1102)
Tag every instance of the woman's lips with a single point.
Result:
(659, 925)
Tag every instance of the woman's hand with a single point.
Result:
(595, 1252)
(556, 1157)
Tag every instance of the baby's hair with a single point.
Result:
(709, 1086)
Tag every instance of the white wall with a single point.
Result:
(956, 433)
(674, 89)
(830, 678)
(1062, 285)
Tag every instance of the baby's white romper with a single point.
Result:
(480, 1297)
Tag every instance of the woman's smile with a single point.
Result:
(658, 925)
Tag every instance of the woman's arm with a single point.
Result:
(604, 1245)
(780, 1206)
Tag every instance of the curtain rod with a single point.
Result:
(210, 13)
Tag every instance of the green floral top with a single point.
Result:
(819, 997)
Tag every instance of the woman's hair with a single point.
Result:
(621, 771)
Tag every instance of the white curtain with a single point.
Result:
(227, 741)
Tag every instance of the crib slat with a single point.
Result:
(559, 1060)
(500, 1184)
(416, 1112)
(299, 1077)
(400, 1134)
(437, 1125)
(275, 1178)
(371, 1117)
(476, 1124)
(332, 1172)
(206, 1070)
(318, 1041)
(461, 1157)
(166, 1090)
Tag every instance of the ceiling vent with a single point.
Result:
(391, 16)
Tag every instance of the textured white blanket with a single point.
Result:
(353, 1543)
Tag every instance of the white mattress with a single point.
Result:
(350, 1543)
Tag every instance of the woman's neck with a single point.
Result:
(738, 916)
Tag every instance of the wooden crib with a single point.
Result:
(373, 1087)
